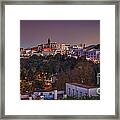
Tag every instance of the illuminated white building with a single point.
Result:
(77, 90)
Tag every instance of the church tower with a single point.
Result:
(48, 42)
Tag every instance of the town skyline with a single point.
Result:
(34, 32)
(86, 45)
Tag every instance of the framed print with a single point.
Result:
(59, 60)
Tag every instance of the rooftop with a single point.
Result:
(83, 85)
(47, 49)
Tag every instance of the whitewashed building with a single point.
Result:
(93, 54)
(77, 90)
(44, 95)
(48, 95)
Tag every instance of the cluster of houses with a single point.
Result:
(74, 90)
(91, 52)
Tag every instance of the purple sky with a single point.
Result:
(34, 32)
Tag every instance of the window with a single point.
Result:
(91, 54)
(77, 93)
(50, 93)
(86, 94)
(73, 92)
(80, 93)
(69, 91)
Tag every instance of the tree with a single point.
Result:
(26, 87)
(39, 84)
(83, 72)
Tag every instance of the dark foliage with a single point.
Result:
(66, 69)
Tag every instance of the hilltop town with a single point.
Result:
(59, 71)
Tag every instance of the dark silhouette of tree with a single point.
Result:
(66, 69)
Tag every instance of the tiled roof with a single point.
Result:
(47, 49)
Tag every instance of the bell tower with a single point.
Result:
(49, 42)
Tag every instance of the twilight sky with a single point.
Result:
(34, 32)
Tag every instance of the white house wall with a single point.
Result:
(79, 91)
(93, 91)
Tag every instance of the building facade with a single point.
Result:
(78, 90)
